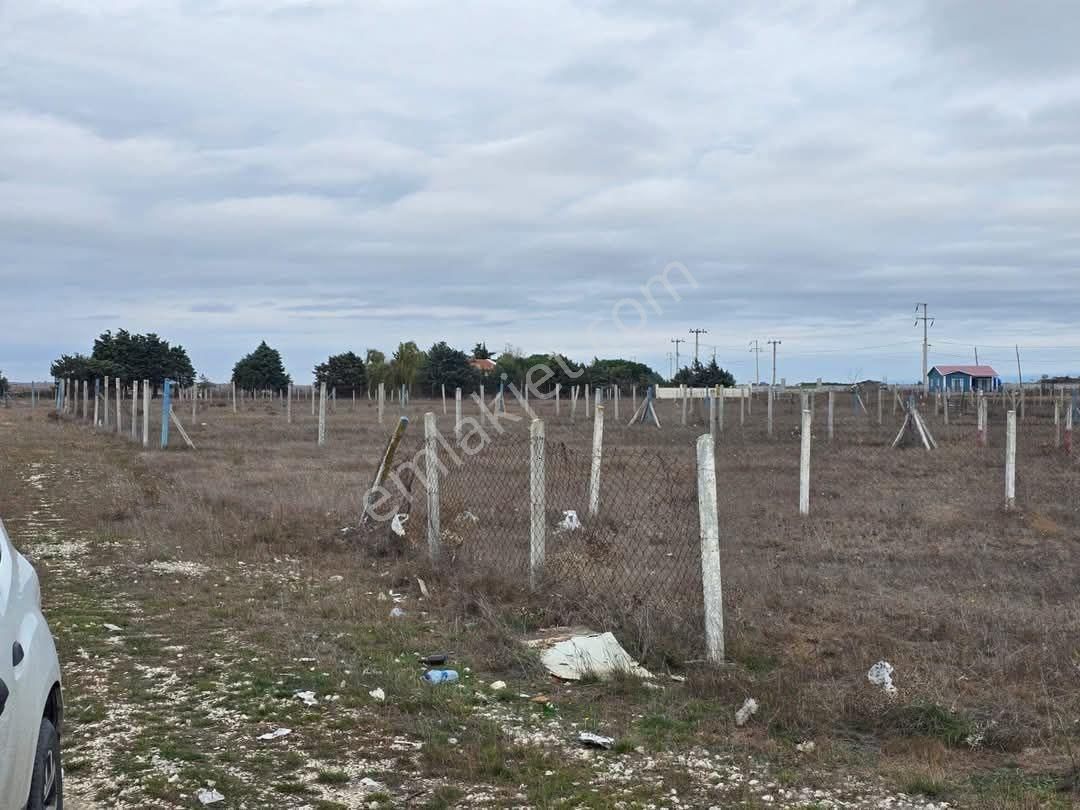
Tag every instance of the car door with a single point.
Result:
(10, 780)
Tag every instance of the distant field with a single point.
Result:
(229, 552)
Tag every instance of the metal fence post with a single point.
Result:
(1010, 460)
(597, 452)
(431, 468)
(538, 504)
(709, 523)
(804, 464)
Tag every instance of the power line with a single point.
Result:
(756, 349)
(927, 322)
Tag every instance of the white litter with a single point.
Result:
(590, 740)
(396, 613)
(497, 686)
(208, 796)
(378, 694)
(112, 628)
(424, 592)
(397, 525)
(569, 522)
(571, 655)
(371, 786)
(805, 747)
(746, 711)
(467, 516)
(880, 674)
(307, 697)
(275, 734)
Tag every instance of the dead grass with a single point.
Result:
(907, 557)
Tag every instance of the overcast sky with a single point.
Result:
(344, 175)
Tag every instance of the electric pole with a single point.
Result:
(927, 322)
(670, 365)
(697, 333)
(756, 349)
(976, 355)
(774, 344)
(677, 341)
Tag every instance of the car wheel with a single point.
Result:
(47, 783)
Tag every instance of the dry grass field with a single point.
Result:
(194, 592)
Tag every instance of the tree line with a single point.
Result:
(135, 357)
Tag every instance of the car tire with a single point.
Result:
(47, 783)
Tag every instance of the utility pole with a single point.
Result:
(670, 365)
(927, 322)
(677, 341)
(774, 344)
(697, 333)
(756, 349)
(976, 355)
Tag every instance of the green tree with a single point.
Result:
(3, 385)
(262, 370)
(144, 357)
(480, 351)
(378, 371)
(344, 372)
(406, 363)
(81, 367)
(448, 366)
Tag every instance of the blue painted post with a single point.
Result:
(166, 407)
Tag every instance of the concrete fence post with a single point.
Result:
(709, 523)
(322, 414)
(682, 396)
(587, 411)
(829, 414)
(1010, 459)
(288, 404)
(97, 395)
(146, 413)
(166, 411)
(234, 397)
(107, 419)
(537, 503)
(597, 453)
(1068, 429)
(720, 397)
(431, 468)
(457, 414)
(1057, 424)
(558, 399)
(382, 401)
(134, 410)
(443, 388)
(712, 416)
(119, 403)
(768, 415)
(804, 464)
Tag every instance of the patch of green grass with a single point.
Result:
(924, 719)
(292, 787)
(1012, 787)
(928, 786)
(444, 797)
(328, 777)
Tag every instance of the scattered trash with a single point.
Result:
(378, 694)
(436, 660)
(336, 578)
(371, 786)
(590, 740)
(880, 674)
(467, 517)
(423, 588)
(748, 710)
(396, 613)
(441, 676)
(397, 525)
(569, 522)
(112, 628)
(275, 734)
(678, 678)
(806, 747)
(208, 796)
(497, 686)
(571, 653)
(541, 699)
(307, 697)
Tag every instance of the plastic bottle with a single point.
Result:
(441, 676)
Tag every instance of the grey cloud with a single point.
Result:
(368, 175)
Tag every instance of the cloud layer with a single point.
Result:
(333, 175)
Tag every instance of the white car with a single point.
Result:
(31, 704)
